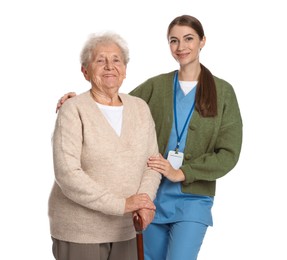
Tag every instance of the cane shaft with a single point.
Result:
(140, 248)
(139, 228)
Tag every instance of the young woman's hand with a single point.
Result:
(63, 99)
(163, 166)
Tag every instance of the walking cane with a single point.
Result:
(138, 224)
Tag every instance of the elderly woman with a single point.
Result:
(101, 143)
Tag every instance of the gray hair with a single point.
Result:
(108, 37)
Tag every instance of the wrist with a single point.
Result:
(180, 175)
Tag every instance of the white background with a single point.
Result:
(39, 62)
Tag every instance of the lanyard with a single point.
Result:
(175, 86)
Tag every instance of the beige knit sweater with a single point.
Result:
(95, 170)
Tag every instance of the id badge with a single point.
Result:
(175, 159)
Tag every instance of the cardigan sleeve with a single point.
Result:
(225, 149)
(74, 183)
(151, 179)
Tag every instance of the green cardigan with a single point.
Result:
(213, 144)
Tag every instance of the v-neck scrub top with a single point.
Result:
(172, 205)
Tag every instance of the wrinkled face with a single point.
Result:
(185, 44)
(107, 70)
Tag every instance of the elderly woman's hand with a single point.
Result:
(137, 202)
(146, 215)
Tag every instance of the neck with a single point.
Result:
(106, 99)
(188, 73)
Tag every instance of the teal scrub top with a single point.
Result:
(172, 205)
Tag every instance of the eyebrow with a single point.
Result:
(104, 56)
(184, 36)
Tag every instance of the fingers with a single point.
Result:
(71, 94)
(62, 100)
(137, 202)
(59, 104)
(158, 163)
(143, 201)
(164, 167)
(147, 216)
(156, 157)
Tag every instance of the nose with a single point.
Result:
(109, 65)
(181, 45)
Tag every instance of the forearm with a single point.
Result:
(151, 178)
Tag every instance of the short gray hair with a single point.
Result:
(99, 38)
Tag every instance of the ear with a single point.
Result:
(202, 42)
(85, 73)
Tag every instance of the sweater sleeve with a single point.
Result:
(74, 183)
(225, 153)
(151, 179)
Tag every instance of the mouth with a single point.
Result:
(182, 55)
(109, 75)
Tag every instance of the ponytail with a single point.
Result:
(206, 98)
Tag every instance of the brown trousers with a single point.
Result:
(124, 250)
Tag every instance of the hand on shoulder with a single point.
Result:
(62, 100)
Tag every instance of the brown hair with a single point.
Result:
(206, 98)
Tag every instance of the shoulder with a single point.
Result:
(158, 78)
(223, 87)
(151, 86)
(226, 97)
(133, 100)
(80, 98)
(75, 103)
(135, 105)
(221, 82)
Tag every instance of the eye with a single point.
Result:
(116, 60)
(173, 41)
(189, 39)
(100, 61)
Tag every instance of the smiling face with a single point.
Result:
(107, 70)
(185, 44)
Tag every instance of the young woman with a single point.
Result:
(199, 133)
